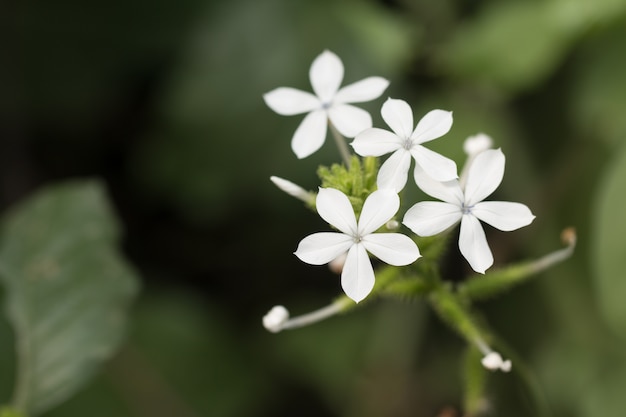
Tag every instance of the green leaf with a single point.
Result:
(608, 261)
(599, 90)
(67, 290)
(9, 412)
(516, 45)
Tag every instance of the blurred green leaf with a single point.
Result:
(517, 44)
(67, 290)
(192, 353)
(599, 91)
(9, 412)
(608, 261)
(605, 396)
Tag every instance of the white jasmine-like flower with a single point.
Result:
(275, 319)
(356, 238)
(466, 205)
(493, 361)
(405, 142)
(328, 103)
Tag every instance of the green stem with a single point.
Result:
(341, 144)
(453, 312)
(495, 282)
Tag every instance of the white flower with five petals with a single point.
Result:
(466, 205)
(328, 103)
(356, 238)
(405, 142)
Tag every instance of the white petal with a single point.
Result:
(378, 209)
(326, 74)
(334, 207)
(503, 215)
(448, 191)
(321, 248)
(435, 165)
(394, 171)
(433, 125)
(375, 142)
(398, 116)
(357, 277)
(349, 120)
(393, 248)
(484, 176)
(473, 244)
(365, 90)
(310, 135)
(428, 218)
(289, 101)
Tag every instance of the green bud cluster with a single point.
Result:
(357, 182)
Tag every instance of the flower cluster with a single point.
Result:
(461, 198)
(360, 200)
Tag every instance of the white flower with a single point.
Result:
(357, 238)
(405, 142)
(466, 205)
(493, 361)
(329, 102)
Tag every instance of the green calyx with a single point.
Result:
(357, 182)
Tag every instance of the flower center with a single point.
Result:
(407, 144)
(466, 209)
(357, 238)
(326, 105)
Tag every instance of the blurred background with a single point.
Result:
(162, 101)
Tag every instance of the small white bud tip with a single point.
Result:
(292, 189)
(392, 225)
(275, 319)
(474, 145)
(493, 361)
(336, 265)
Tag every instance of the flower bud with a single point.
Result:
(474, 145)
(336, 265)
(275, 319)
(392, 225)
(493, 361)
(293, 190)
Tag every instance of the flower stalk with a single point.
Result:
(346, 156)
(480, 287)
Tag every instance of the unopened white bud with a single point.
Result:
(392, 225)
(336, 265)
(493, 361)
(275, 319)
(474, 145)
(293, 190)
